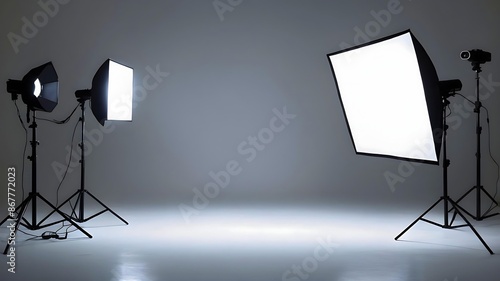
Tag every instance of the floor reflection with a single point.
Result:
(336, 244)
(131, 267)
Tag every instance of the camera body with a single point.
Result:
(476, 56)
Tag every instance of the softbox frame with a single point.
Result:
(39, 88)
(105, 105)
(390, 96)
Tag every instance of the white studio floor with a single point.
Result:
(343, 244)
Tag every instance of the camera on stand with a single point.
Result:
(476, 56)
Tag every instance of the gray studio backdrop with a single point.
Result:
(235, 99)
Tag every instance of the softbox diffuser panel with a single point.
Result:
(112, 92)
(390, 95)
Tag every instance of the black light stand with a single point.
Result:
(32, 198)
(476, 66)
(445, 198)
(82, 97)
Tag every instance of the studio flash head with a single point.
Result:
(476, 56)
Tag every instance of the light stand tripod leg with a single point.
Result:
(448, 226)
(419, 218)
(476, 67)
(465, 195)
(491, 197)
(457, 211)
(445, 198)
(17, 219)
(33, 195)
(454, 215)
(66, 217)
(77, 193)
(35, 226)
(106, 209)
(20, 207)
(80, 215)
(486, 214)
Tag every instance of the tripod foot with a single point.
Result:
(446, 225)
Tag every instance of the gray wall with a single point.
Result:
(227, 71)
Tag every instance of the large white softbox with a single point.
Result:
(389, 91)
